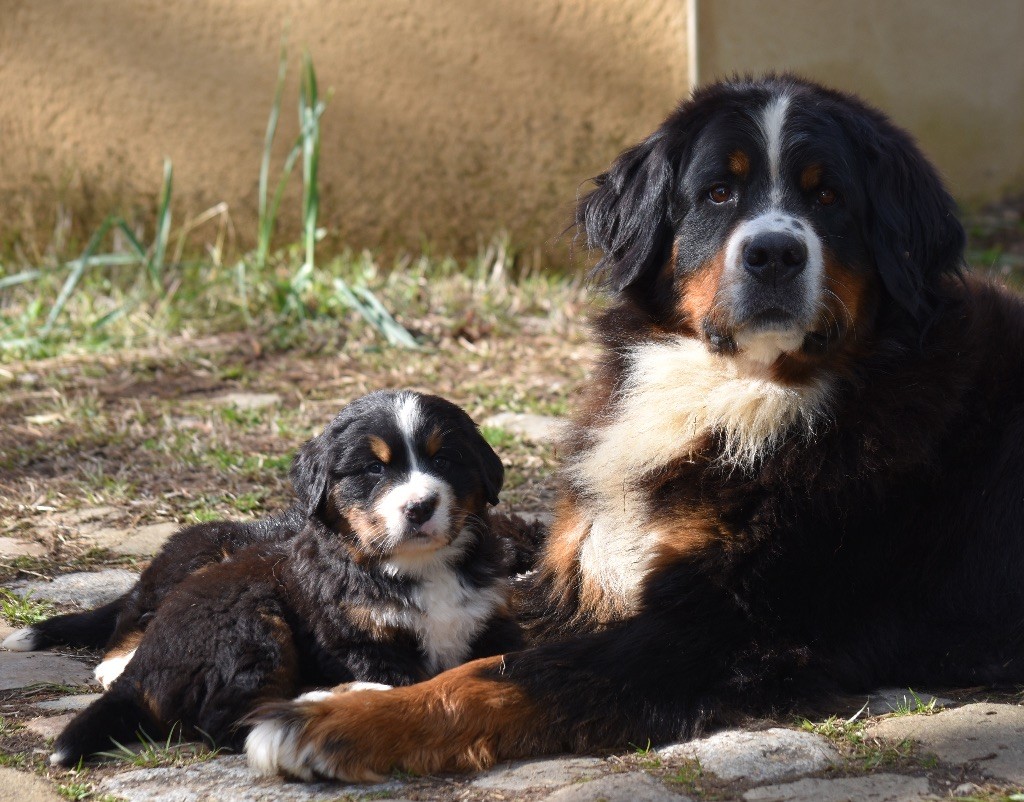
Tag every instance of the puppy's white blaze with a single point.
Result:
(21, 640)
(418, 487)
(409, 416)
(675, 393)
(109, 670)
(772, 122)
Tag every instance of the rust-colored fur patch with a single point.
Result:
(810, 177)
(380, 449)
(462, 720)
(127, 644)
(698, 292)
(434, 442)
(739, 164)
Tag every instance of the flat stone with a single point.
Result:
(69, 703)
(6, 630)
(773, 754)
(539, 428)
(988, 735)
(873, 788)
(889, 700)
(86, 515)
(228, 779)
(24, 669)
(12, 547)
(23, 786)
(84, 588)
(141, 541)
(631, 787)
(549, 773)
(49, 727)
(247, 400)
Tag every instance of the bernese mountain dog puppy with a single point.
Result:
(798, 470)
(389, 570)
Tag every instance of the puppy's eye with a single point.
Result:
(719, 193)
(441, 463)
(827, 197)
(375, 468)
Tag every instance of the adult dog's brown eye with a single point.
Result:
(719, 193)
(826, 196)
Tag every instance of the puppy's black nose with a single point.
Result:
(419, 512)
(774, 257)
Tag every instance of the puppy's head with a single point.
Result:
(398, 473)
(774, 218)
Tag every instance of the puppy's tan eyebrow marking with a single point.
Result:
(811, 176)
(434, 442)
(380, 448)
(739, 163)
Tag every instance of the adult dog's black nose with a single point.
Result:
(774, 257)
(418, 512)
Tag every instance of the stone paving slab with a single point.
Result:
(765, 756)
(141, 541)
(247, 400)
(546, 773)
(539, 428)
(988, 735)
(49, 727)
(12, 547)
(629, 787)
(20, 786)
(85, 589)
(23, 669)
(69, 703)
(872, 788)
(228, 779)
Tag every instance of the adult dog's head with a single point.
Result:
(400, 474)
(775, 220)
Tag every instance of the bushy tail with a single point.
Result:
(91, 629)
(115, 716)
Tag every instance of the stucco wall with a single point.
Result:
(949, 71)
(449, 119)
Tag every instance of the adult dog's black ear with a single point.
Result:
(627, 214)
(911, 223)
(310, 472)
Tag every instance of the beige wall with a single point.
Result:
(950, 71)
(453, 119)
(449, 120)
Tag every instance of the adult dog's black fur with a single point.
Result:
(389, 569)
(797, 470)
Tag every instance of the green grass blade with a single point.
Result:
(155, 264)
(265, 221)
(20, 278)
(76, 274)
(375, 313)
(310, 109)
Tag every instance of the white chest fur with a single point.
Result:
(675, 393)
(445, 614)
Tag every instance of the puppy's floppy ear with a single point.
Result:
(310, 472)
(627, 215)
(912, 227)
(492, 471)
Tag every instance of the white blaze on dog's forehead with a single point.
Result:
(409, 416)
(772, 122)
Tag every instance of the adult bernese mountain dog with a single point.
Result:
(798, 470)
(389, 569)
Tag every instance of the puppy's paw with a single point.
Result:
(22, 640)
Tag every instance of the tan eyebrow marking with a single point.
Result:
(810, 177)
(739, 163)
(380, 448)
(434, 442)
